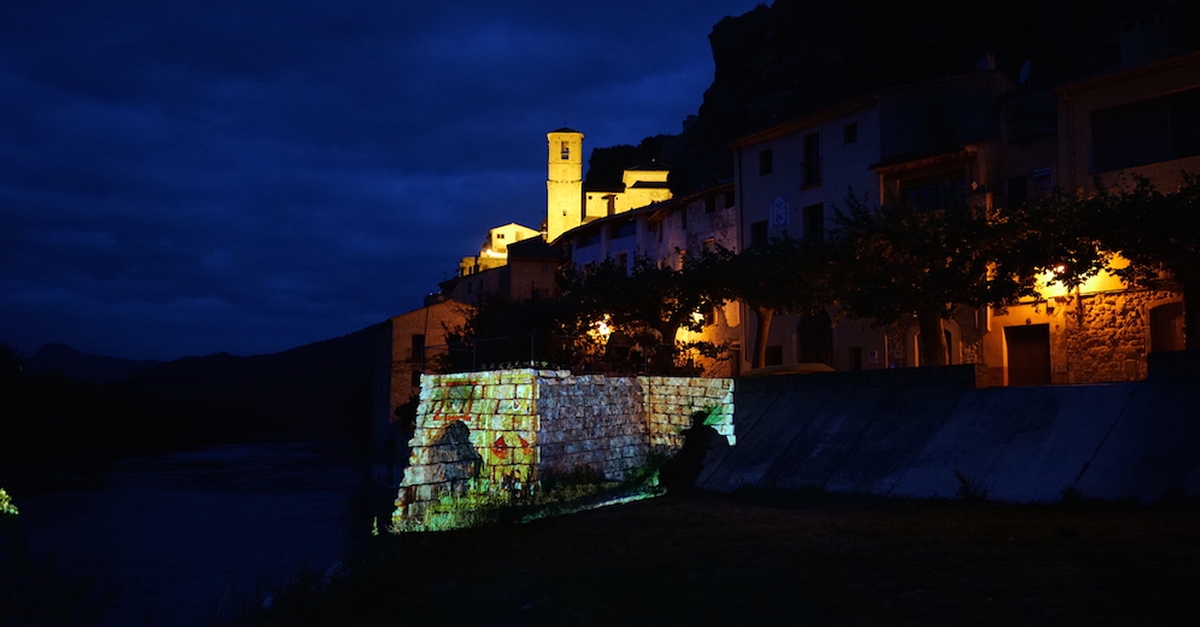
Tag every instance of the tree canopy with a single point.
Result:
(898, 259)
(1159, 233)
(783, 276)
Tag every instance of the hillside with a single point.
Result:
(84, 366)
(79, 412)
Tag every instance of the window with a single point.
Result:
(589, 238)
(1150, 131)
(766, 162)
(1042, 183)
(814, 222)
(946, 193)
(417, 344)
(622, 261)
(624, 229)
(811, 174)
(499, 236)
(565, 152)
(710, 204)
(855, 358)
(773, 356)
(758, 234)
(850, 133)
(1016, 191)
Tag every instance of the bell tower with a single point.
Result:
(564, 182)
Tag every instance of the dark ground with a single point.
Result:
(757, 559)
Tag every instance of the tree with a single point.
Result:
(500, 330)
(649, 297)
(783, 276)
(897, 260)
(1156, 232)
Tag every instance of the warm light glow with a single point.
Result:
(1050, 287)
(602, 329)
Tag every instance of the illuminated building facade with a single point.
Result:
(412, 344)
(568, 205)
(1142, 120)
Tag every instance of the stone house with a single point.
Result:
(1142, 120)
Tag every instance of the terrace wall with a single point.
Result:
(487, 440)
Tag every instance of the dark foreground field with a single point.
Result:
(754, 559)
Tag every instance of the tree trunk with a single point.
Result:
(666, 353)
(933, 341)
(1191, 315)
(763, 316)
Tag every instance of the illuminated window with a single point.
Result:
(566, 151)
(499, 236)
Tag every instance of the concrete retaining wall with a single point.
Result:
(928, 432)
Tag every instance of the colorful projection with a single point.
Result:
(521, 444)
(6, 505)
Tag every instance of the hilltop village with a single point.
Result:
(977, 140)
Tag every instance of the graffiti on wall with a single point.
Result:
(529, 440)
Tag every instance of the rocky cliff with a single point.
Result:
(778, 62)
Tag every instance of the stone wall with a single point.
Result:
(485, 441)
(1107, 337)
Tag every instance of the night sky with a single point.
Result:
(182, 178)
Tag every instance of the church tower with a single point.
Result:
(564, 182)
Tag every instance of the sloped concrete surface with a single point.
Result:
(928, 432)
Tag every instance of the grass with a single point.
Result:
(767, 559)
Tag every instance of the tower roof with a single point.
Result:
(565, 130)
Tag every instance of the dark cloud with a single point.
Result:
(189, 177)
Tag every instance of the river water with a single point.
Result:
(185, 537)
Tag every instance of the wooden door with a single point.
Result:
(1028, 354)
